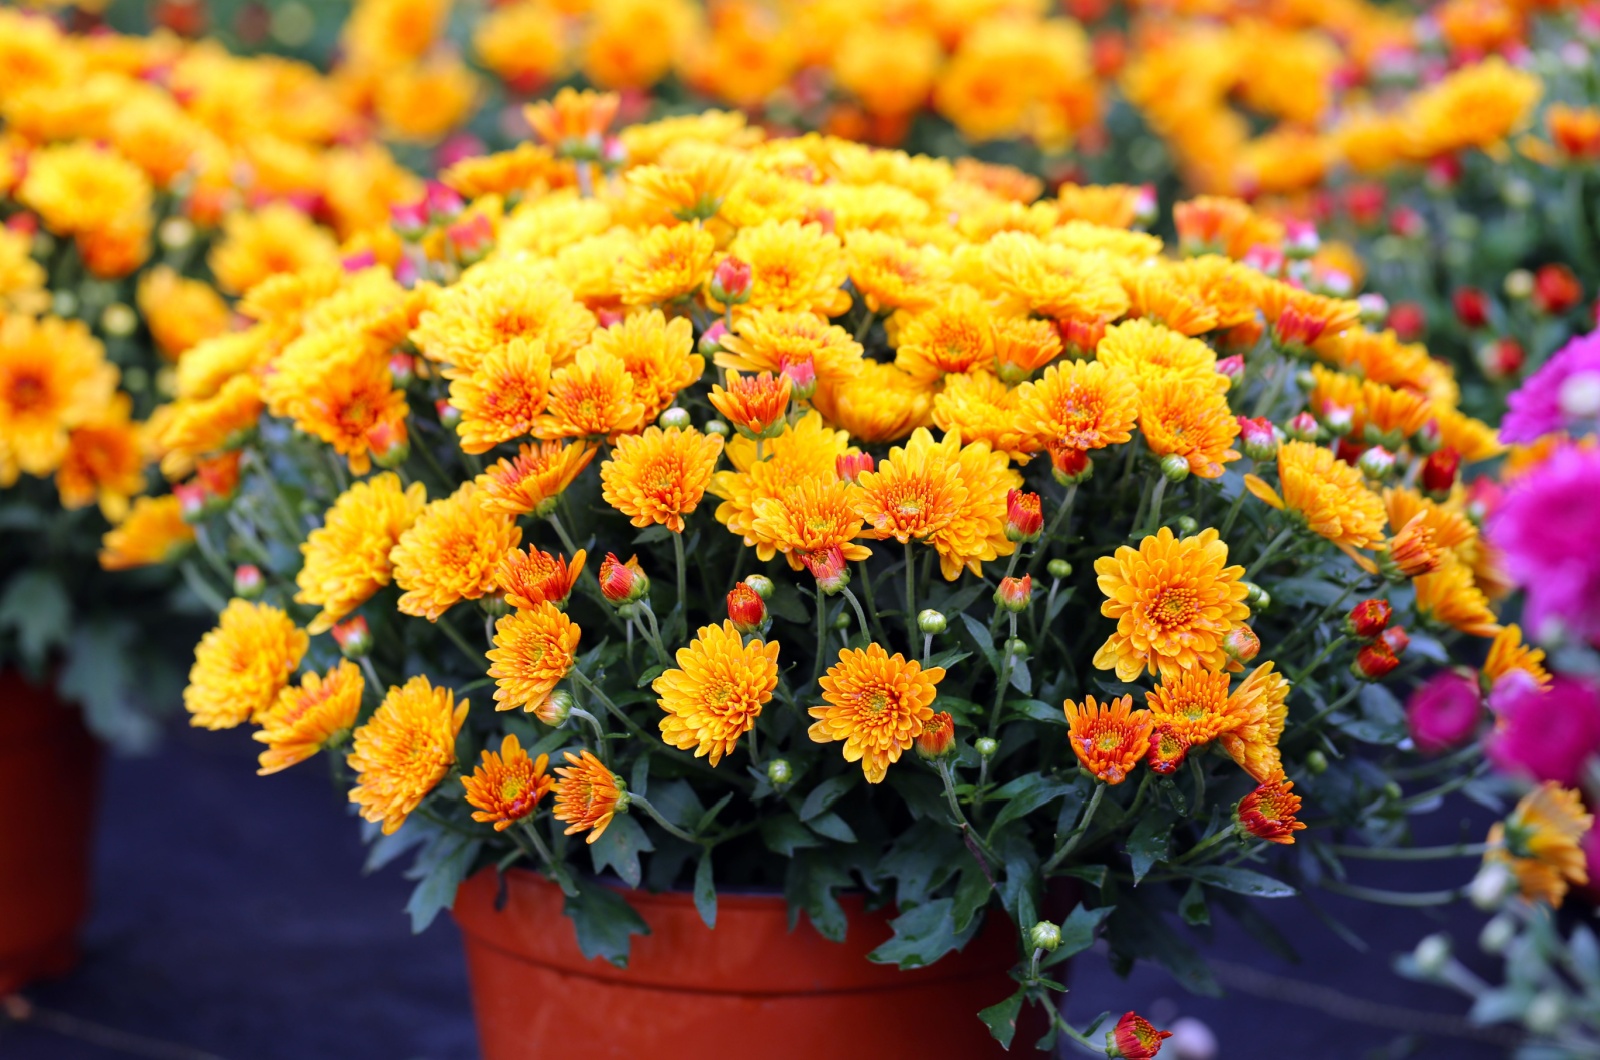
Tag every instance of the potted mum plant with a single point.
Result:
(832, 582)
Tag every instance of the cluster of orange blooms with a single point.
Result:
(554, 311)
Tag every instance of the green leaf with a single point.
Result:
(980, 633)
(922, 936)
(833, 826)
(386, 848)
(1149, 843)
(1078, 932)
(676, 801)
(38, 610)
(1299, 592)
(827, 793)
(972, 893)
(784, 835)
(1094, 875)
(1001, 1019)
(1022, 677)
(1138, 929)
(439, 870)
(1057, 604)
(946, 659)
(100, 675)
(809, 887)
(1192, 906)
(710, 816)
(786, 604)
(604, 922)
(923, 858)
(619, 847)
(651, 534)
(639, 779)
(1036, 793)
(705, 890)
(1038, 710)
(651, 674)
(1240, 881)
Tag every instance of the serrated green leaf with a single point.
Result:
(946, 659)
(1038, 792)
(1094, 875)
(1001, 1019)
(37, 609)
(1149, 843)
(651, 534)
(705, 890)
(619, 847)
(1240, 881)
(639, 779)
(921, 860)
(921, 936)
(827, 793)
(1038, 710)
(809, 886)
(832, 826)
(972, 893)
(1078, 932)
(439, 869)
(784, 835)
(604, 921)
(651, 674)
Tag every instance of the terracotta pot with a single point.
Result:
(49, 774)
(751, 988)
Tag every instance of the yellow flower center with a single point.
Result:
(1174, 606)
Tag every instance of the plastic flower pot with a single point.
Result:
(749, 988)
(49, 775)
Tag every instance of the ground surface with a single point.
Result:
(233, 921)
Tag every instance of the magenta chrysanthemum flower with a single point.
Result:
(1546, 527)
(1444, 712)
(1535, 409)
(1546, 734)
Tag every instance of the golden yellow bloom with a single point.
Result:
(1161, 299)
(764, 341)
(631, 43)
(153, 532)
(659, 476)
(793, 266)
(1541, 842)
(404, 750)
(1178, 420)
(666, 264)
(346, 559)
(180, 312)
(806, 451)
(1328, 495)
(21, 278)
(716, 692)
(1108, 738)
(502, 396)
(1112, 205)
(54, 376)
(526, 167)
(242, 665)
(389, 32)
(1449, 526)
(812, 516)
(593, 397)
(1078, 405)
(1174, 600)
(450, 553)
(1475, 106)
(336, 386)
(1449, 597)
(533, 651)
(524, 44)
(877, 704)
(983, 409)
(197, 428)
(587, 796)
(530, 482)
(1023, 345)
(1472, 438)
(892, 274)
(1149, 352)
(508, 785)
(1054, 281)
(657, 353)
(1507, 652)
(950, 338)
(913, 494)
(272, 239)
(692, 183)
(503, 303)
(93, 194)
(572, 116)
(889, 68)
(305, 718)
(1262, 701)
(880, 404)
(422, 101)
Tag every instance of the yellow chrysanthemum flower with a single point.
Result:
(953, 337)
(880, 404)
(593, 397)
(806, 451)
(54, 376)
(275, 238)
(811, 516)
(242, 665)
(1078, 405)
(307, 717)
(200, 427)
(715, 693)
(1328, 495)
(91, 193)
(1262, 700)
(530, 482)
(153, 532)
(794, 267)
(1197, 425)
(668, 263)
(534, 649)
(1507, 652)
(877, 704)
(1149, 352)
(1476, 106)
(336, 386)
(893, 274)
(508, 785)
(1541, 842)
(658, 477)
(404, 750)
(1194, 704)
(691, 182)
(1054, 281)
(1448, 597)
(1160, 299)
(1109, 739)
(913, 494)
(1173, 599)
(503, 302)
(502, 396)
(180, 312)
(450, 553)
(586, 795)
(983, 409)
(657, 352)
(346, 559)
(764, 341)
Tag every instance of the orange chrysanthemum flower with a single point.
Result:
(953, 337)
(1177, 419)
(1261, 700)
(892, 274)
(983, 409)
(913, 495)
(1173, 600)
(242, 665)
(813, 516)
(793, 267)
(1054, 281)
(404, 750)
(507, 785)
(1269, 811)
(305, 719)
(1412, 551)
(450, 553)
(531, 578)
(1194, 705)
(1448, 526)
(716, 692)
(533, 651)
(806, 451)
(755, 404)
(878, 705)
(103, 463)
(500, 398)
(346, 559)
(1448, 597)
(1022, 346)
(530, 482)
(588, 796)
(53, 376)
(1108, 738)
(1150, 353)
(1159, 299)
(666, 264)
(594, 397)
(573, 118)
(1507, 652)
(336, 386)
(882, 404)
(763, 341)
(1541, 840)
(153, 532)
(1299, 318)
(1078, 405)
(658, 353)
(1328, 495)
(659, 476)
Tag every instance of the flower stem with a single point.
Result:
(822, 634)
(861, 618)
(594, 723)
(655, 814)
(1076, 835)
(605, 701)
(1271, 549)
(1156, 496)
(475, 657)
(1332, 646)
(1458, 850)
(911, 597)
(683, 583)
(872, 605)
(652, 632)
(958, 816)
(1204, 845)
(1406, 899)
(557, 870)
(1233, 511)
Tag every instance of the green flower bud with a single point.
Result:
(761, 584)
(1186, 524)
(931, 622)
(1316, 762)
(1059, 568)
(779, 772)
(717, 427)
(674, 417)
(1044, 936)
(986, 746)
(1432, 955)
(1175, 467)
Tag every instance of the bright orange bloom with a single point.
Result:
(1412, 551)
(1194, 705)
(762, 341)
(658, 354)
(594, 397)
(1449, 597)
(346, 559)
(1575, 130)
(892, 274)
(305, 718)
(242, 665)
(716, 692)
(938, 737)
(812, 516)
(1149, 353)
(573, 120)
(1268, 812)
(534, 649)
(1168, 750)
(508, 785)
(501, 397)
(588, 796)
(531, 578)
(404, 750)
(450, 553)
(336, 386)
(1541, 840)
(1022, 346)
(530, 482)
(659, 476)
(1328, 495)
(950, 338)
(153, 532)
(878, 705)
(1108, 738)
(1174, 600)
(756, 404)
(622, 583)
(1179, 420)
(912, 495)
(1507, 653)
(1261, 700)
(1078, 405)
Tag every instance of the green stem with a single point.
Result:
(1272, 548)
(1406, 899)
(557, 870)
(861, 618)
(475, 657)
(958, 817)
(1005, 680)
(1233, 511)
(594, 723)
(1332, 646)
(1459, 850)
(655, 814)
(822, 634)
(1273, 388)
(1077, 833)
(683, 583)
(911, 599)
(1156, 496)
(200, 587)
(652, 632)
(872, 604)
(605, 701)
(1204, 845)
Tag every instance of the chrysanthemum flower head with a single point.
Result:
(892, 274)
(1261, 700)
(346, 559)
(658, 353)
(1159, 298)
(508, 785)
(983, 409)
(1023, 345)
(878, 705)
(450, 553)
(692, 182)
(1449, 598)
(588, 795)
(306, 717)
(1055, 281)
(1540, 842)
(404, 750)
(1412, 551)
(716, 692)
(501, 397)
(950, 337)
(593, 397)
(811, 516)
(1508, 653)
(1328, 494)
(912, 495)
(104, 462)
(573, 122)
(530, 482)
(263, 242)
(756, 405)
(659, 476)
(241, 665)
(1194, 705)
(501, 302)
(534, 649)
(154, 531)
(1149, 352)
(53, 376)
(794, 267)
(1108, 738)
(531, 578)
(1134, 1038)
(336, 386)
(806, 451)
(1078, 405)
(1174, 599)
(879, 404)
(668, 263)
(1269, 811)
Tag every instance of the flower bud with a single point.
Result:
(1556, 290)
(449, 415)
(829, 568)
(1059, 568)
(556, 708)
(1080, 337)
(410, 219)
(718, 428)
(1070, 466)
(1409, 321)
(1254, 594)
(402, 369)
(931, 622)
(1432, 955)
(1396, 639)
(1518, 284)
(1014, 594)
(1494, 884)
(390, 443)
(191, 500)
(802, 376)
(1144, 204)
(711, 341)
(1376, 463)
(1186, 524)
(1374, 307)
(1175, 467)
(247, 581)
(1241, 643)
(1258, 437)
(1024, 517)
(851, 466)
(1233, 367)
(1338, 420)
(472, 239)
(119, 320)
(1167, 752)
(779, 772)
(1497, 934)
(1374, 662)
(1368, 618)
(1303, 427)
(746, 610)
(761, 584)
(937, 739)
(1501, 359)
(1301, 239)
(730, 282)
(841, 621)
(442, 202)
(986, 746)
(1133, 1038)
(1471, 306)
(674, 417)
(353, 637)
(1045, 936)
(1017, 647)
(622, 583)
(1547, 1012)
(1316, 763)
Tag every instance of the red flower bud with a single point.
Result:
(746, 609)
(1407, 223)
(828, 567)
(1374, 661)
(1501, 359)
(402, 369)
(1440, 469)
(1365, 202)
(1133, 1038)
(1232, 366)
(851, 466)
(1269, 811)
(471, 239)
(1396, 640)
(1408, 320)
(191, 500)
(353, 637)
(1368, 618)
(938, 737)
(1024, 517)
(622, 583)
(247, 581)
(730, 282)
(711, 340)
(1258, 437)
(409, 219)
(802, 376)
(442, 202)
(1472, 307)
(1014, 594)
(1556, 289)
(1070, 466)
(389, 443)
(1081, 337)
(1241, 643)
(449, 415)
